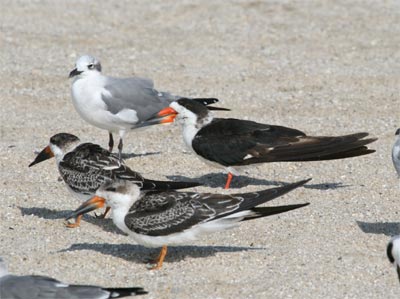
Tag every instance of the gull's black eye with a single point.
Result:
(112, 189)
(91, 66)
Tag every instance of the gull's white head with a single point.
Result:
(3, 267)
(85, 65)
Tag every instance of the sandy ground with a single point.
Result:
(324, 67)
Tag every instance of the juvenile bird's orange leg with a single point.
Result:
(76, 224)
(160, 259)
(228, 181)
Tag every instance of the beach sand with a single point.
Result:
(323, 67)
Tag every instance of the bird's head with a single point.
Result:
(187, 113)
(85, 65)
(58, 146)
(118, 194)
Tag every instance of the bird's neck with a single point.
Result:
(190, 129)
(189, 132)
(87, 84)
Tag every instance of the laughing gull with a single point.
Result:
(167, 218)
(84, 167)
(229, 143)
(393, 253)
(396, 153)
(43, 287)
(116, 104)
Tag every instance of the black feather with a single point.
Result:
(125, 292)
(268, 211)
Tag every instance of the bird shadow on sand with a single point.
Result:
(106, 224)
(380, 228)
(141, 254)
(127, 156)
(215, 180)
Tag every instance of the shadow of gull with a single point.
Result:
(380, 228)
(141, 254)
(45, 213)
(127, 156)
(215, 180)
(106, 224)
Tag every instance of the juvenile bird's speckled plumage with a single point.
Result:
(85, 167)
(166, 218)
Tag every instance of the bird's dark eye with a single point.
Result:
(112, 189)
(91, 66)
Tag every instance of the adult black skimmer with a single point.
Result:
(43, 287)
(230, 142)
(116, 104)
(159, 219)
(84, 167)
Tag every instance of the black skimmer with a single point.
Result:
(159, 219)
(229, 143)
(43, 287)
(84, 167)
(116, 104)
(393, 253)
(396, 153)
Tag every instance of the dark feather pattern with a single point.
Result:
(231, 142)
(89, 166)
(165, 213)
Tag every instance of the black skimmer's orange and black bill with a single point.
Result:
(396, 153)
(393, 253)
(84, 167)
(229, 143)
(117, 105)
(159, 219)
(43, 287)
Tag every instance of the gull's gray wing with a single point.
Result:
(42, 287)
(136, 94)
(89, 166)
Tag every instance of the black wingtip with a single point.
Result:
(150, 185)
(218, 108)
(269, 211)
(209, 101)
(125, 292)
(294, 185)
(206, 101)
